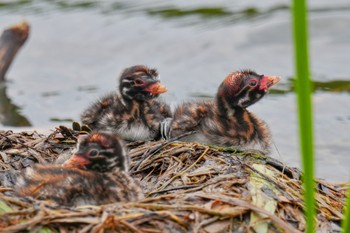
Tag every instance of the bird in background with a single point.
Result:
(225, 121)
(95, 174)
(134, 112)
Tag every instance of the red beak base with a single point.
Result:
(268, 81)
(76, 161)
(156, 89)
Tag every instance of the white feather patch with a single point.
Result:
(134, 132)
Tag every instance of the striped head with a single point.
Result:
(244, 88)
(100, 152)
(140, 83)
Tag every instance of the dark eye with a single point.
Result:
(93, 153)
(138, 81)
(252, 83)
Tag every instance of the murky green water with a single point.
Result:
(78, 48)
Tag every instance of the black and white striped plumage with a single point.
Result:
(225, 121)
(96, 174)
(134, 113)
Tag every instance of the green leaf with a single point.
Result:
(304, 90)
(260, 199)
(45, 229)
(4, 208)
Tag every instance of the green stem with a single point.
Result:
(346, 220)
(303, 86)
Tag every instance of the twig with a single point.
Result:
(279, 186)
(205, 222)
(283, 168)
(230, 213)
(130, 226)
(181, 173)
(172, 216)
(28, 147)
(16, 228)
(154, 150)
(237, 202)
(177, 188)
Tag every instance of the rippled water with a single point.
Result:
(77, 49)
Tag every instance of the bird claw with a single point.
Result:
(165, 128)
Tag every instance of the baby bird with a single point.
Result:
(134, 113)
(96, 174)
(225, 121)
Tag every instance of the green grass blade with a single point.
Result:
(4, 208)
(303, 86)
(346, 220)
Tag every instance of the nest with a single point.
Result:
(189, 187)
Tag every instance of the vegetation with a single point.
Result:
(189, 187)
(303, 86)
(304, 90)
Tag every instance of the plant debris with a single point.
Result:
(189, 187)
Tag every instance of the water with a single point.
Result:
(77, 49)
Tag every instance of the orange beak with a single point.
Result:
(156, 89)
(268, 81)
(76, 161)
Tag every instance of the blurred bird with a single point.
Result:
(96, 174)
(225, 121)
(134, 113)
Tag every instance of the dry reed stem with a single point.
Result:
(190, 187)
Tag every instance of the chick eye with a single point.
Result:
(138, 81)
(93, 153)
(252, 83)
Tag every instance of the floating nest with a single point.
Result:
(189, 187)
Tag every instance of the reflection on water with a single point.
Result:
(72, 4)
(165, 9)
(177, 12)
(206, 13)
(330, 86)
(335, 86)
(9, 113)
(69, 120)
(13, 4)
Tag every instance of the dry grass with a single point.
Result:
(189, 187)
